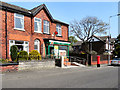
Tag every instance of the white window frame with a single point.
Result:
(47, 25)
(39, 27)
(58, 26)
(22, 29)
(24, 45)
(38, 45)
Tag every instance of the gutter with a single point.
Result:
(6, 31)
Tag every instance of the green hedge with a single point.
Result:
(13, 52)
(23, 55)
(34, 55)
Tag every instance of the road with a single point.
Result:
(81, 77)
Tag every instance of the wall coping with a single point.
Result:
(8, 64)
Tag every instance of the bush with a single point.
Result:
(13, 52)
(93, 52)
(23, 55)
(34, 55)
(4, 60)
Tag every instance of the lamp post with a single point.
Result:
(109, 38)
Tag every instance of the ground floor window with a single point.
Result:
(37, 45)
(22, 45)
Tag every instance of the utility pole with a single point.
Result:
(109, 38)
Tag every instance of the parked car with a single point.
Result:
(115, 61)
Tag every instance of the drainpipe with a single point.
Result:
(68, 33)
(6, 32)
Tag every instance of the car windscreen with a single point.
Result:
(116, 59)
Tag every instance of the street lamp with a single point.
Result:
(109, 38)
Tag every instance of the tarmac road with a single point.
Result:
(80, 77)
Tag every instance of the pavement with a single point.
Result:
(75, 77)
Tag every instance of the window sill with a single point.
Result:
(19, 29)
(38, 32)
(47, 33)
(58, 36)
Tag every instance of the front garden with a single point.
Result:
(22, 60)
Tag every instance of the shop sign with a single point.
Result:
(56, 50)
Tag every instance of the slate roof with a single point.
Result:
(101, 38)
(32, 12)
(4, 4)
(104, 38)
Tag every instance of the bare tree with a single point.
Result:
(88, 27)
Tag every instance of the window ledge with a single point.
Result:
(47, 33)
(38, 32)
(19, 29)
(58, 36)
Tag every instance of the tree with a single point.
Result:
(73, 40)
(88, 27)
(116, 51)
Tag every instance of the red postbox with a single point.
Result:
(98, 61)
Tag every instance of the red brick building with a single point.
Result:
(33, 29)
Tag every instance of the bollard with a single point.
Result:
(62, 62)
(98, 61)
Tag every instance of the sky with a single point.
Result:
(68, 11)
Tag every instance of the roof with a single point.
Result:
(13, 7)
(57, 21)
(32, 12)
(104, 38)
(78, 43)
(112, 39)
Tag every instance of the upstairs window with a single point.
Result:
(37, 25)
(46, 26)
(58, 29)
(19, 21)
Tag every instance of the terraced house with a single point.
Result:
(33, 29)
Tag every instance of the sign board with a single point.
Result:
(62, 52)
(56, 50)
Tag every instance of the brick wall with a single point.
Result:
(9, 68)
(28, 34)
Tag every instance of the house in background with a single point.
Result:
(33, 29)
(99, 44)
(77, 47)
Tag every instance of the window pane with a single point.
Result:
(58, 29)
(37, 24)
(35, 47)
(36, 27)
(39, 27)
(19, 42)
(46, 26)
(26, 42)
(11, 41)
(19, 15)
(36, 19)
(18, 23)
(47, 29)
